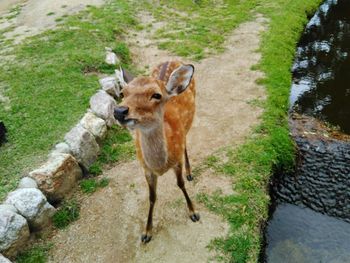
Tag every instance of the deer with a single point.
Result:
(160, 109)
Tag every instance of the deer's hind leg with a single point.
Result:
(181, 184)
(188, 167)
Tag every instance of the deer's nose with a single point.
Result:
(120, 113)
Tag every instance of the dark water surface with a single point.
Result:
(300, 235)
(321, 73)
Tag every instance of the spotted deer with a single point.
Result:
(160, 108)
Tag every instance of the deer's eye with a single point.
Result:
(156, 96)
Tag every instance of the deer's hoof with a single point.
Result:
(146, 238)
(189, 177)
(195, 217)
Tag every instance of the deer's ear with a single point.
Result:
(179, 79)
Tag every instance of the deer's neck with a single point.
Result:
(154, 147)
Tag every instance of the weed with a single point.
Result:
(50, 13)
(67, 213)
(90, 185)
(36, 254)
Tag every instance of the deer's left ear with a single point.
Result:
(179, 80)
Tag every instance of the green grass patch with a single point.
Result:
(36, 254)
(67, 213)
(117, 146)
(48, 86)
(90, 185)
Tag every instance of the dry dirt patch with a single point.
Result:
(113, 218)
(35, 16)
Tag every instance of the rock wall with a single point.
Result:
(322, 177)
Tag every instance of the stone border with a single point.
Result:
(27, 209)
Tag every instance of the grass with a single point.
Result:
(67, 213)
(90, 185)
(48, 86)
(117, 146)
(36, 254)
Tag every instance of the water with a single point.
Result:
(300, 235)
(321, 73)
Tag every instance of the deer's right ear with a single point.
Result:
(179, 80)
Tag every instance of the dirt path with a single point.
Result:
(34, 16)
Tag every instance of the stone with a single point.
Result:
(61, 147)
(120, 78)
(4, 260)
(111, 57)
(57, 176)
(110, 85)
(103, 106)
(27, 182)
(8, 207)
(31, 203)
(94, 125)
(14, 232)
(83, 145)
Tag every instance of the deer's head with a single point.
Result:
(144, 98)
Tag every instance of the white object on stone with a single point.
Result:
(32, 204)
(27, 182)
(57, 176)
(110, 85)
(4, 260)
(120, 78)
(111, 57)
(14, 232)
(103, 106)
(83, 145)
(95, 125)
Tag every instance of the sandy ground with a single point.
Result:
(33, 17)
(113, 218)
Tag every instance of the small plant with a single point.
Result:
(67, 213)
(36, 254)
(50, 13)
(123, 53)
(103, 182)
(89, 186)
(95, 169)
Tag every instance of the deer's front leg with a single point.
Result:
(181, 184)
(152, 185)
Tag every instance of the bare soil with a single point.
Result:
(36, 16)
(113, 218)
